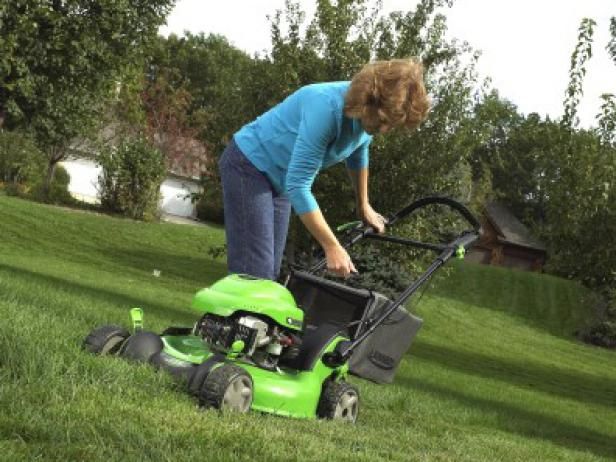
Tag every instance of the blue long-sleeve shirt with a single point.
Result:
(305, 133)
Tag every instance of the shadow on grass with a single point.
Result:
(526, 423)
(121, 300)
(554, 380)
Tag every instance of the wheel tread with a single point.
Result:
(96, 341)
(331, 395)
(216, 383)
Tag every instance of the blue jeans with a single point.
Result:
(256, 217)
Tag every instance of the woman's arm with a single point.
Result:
(338, 260)
(359, 178)
(316, 130)
(366, 213)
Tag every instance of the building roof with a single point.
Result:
(510, 229)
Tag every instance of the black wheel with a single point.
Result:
(339, 401)
(141, 346)
(105, 340)
(228, 388)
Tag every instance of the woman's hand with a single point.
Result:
(339, 262)
(371, 218)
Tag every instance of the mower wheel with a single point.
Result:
(228, 388)
(339, 401)
(142, 346)
(105, 340)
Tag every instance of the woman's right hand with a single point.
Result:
(339, 262)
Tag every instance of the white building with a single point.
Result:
(175, 191)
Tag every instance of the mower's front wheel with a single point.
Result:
(105, 340)
(339, 401)
(228, 388)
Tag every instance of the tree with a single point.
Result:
(171, 127)
(218, 87)
(61, 59)
(606, 119)
(581, 54)
(581, 210)
(560, 179)
(215, 74)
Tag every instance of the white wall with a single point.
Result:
(84, 182)
(84, 179)
(176, 197)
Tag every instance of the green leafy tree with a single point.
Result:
(581, 220)
(579, 58)
(560, 179)
(61, 59)
(221, 88)
(606, 119)
(214, 74)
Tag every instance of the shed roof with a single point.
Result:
(511, 229)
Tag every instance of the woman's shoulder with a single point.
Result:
(330, 92)
(333, 88)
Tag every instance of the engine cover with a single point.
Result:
(262, 297)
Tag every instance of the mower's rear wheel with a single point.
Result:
(339, 401)
(228, 388)
(105, 340)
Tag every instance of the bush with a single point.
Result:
(130, 181)
(21, 163)
(58, 191)
(603, 332)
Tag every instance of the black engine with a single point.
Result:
(264, 343)
(220, 333)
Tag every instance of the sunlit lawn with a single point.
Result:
(495, 373)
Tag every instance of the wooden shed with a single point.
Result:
(507, 242)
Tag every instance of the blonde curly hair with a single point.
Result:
(388, 94)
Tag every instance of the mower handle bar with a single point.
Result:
(429, 200)
(345, 348)
(465, 239)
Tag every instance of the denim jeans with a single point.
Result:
(256, 217)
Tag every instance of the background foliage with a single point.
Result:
(61, 60)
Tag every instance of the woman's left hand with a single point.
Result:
(371, 218)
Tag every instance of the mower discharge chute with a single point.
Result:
(288, 349)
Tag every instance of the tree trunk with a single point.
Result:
(51, 170)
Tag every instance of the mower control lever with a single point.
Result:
(339, 356)
(466, 240)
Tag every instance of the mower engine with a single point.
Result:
(261, 342)
(261, 314)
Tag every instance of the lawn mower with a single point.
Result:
(288, 349)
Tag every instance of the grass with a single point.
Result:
(495, 373)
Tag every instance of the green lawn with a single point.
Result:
(495, 373)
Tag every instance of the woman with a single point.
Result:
(270, 164)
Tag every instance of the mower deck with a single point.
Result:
(283, 391)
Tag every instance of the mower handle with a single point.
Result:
(465, 239)
(429, 200)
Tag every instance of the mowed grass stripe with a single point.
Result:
(495, 373)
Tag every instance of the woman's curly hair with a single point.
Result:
(388, 94)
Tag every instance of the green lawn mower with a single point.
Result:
(288, 349)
